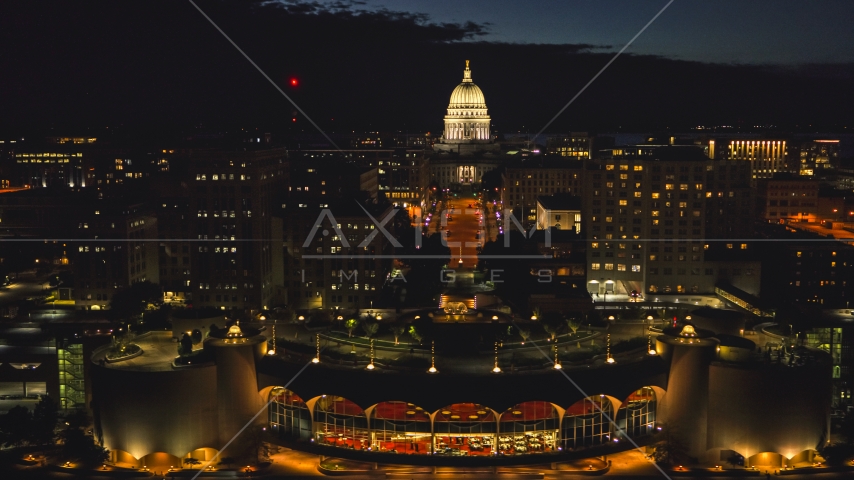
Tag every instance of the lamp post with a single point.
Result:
(557, 365)
(371, 365)
(496, 368)
(608, 357)
(273, 350)
(316, 358)
(649, 348)
(432, 368)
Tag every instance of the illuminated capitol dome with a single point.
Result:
(467, 120)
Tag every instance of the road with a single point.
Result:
(26, 285)
(462, 218)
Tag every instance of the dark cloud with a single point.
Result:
(161, 64)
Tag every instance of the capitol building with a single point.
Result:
(467, 148)
(467, 120)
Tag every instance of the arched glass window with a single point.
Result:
(289, 416)
(586, 423)
(637, 414)
(530, 427)
(400, 427)
(340, 423)
(464, 429)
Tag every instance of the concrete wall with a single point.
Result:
(768, 408)
(168, 411)
(687, 399)
(236, 390)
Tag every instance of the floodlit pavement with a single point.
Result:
(27, 284)
(465, 224)
(294, 463)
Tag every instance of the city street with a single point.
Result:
(26, 285)
(463, 221)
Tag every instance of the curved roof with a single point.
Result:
(433, 392)
(467, 94)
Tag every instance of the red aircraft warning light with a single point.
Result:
(294, 82)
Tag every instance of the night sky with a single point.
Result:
(391, 65)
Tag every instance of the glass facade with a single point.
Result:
(461, 429)
(586, 424)
(289, 416)
(400, 427)
(464, 429)
(529, 427)
(636, 415)
(340, 423)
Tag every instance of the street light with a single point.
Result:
(496, 369)
(432, 368)
(371, 365)
(608, 358)
(316, 358)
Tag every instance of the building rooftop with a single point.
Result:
(560, 202)
(545, 161)
(158, 352)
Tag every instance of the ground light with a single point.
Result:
(608, 357)
(432, 368)
(272, 351)
(371, 365)
(496, 369)
(649, 348)
(316, 358)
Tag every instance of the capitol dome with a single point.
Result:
(467, 94)
(467, 120)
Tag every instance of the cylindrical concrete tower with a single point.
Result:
(235, 354)
(687, 399)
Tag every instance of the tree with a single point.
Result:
(284, 314)
(415, 334)
(491, 181)
(669, 450)
(131, 301)
(15, 426)
(397, 330)
(573, 324)
(370, 328)
(185, 347)
(552, 324)
(846, 428)
(350, 324)
(45, 418)
(523, 332)
(192, 462)
(837, 453)
(227, 461)
(319, 317)
(79, 446)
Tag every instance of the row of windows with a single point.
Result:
(668, 289)
(621, 267)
